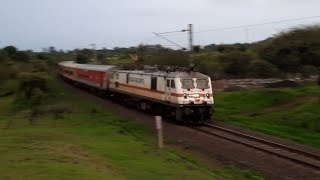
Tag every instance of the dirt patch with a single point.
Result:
(215, 149)
(235, 88)
(297, 102)
(78, 155)
(247, 84)
(283, 84)
(77, 151)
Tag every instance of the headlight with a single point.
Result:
(208, 95)
(185, 95)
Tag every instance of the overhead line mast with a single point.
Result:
(190, 37)
(191, 47)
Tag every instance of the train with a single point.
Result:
(181, 95)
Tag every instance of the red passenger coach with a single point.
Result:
(89, 74)
(95, 77)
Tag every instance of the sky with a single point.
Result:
(69, 24)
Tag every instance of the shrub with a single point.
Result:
(21, 56)
(236, 63)
(32, 87)
(263, 69)
(3, 56)
(308, 70)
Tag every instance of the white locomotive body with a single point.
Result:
(185, 96)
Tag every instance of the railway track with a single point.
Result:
(295, 155)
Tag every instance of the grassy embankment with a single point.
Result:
(90, 142)
(287, 113)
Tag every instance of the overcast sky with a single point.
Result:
(69, 24)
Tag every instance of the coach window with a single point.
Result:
(173, 84)
(168, 83)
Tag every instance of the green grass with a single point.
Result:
(265, 110)
(91, 142)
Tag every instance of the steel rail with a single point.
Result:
(265, 142)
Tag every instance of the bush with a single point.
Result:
(263, 69)
(308, 70)
(39, 66)
(8, 87)
(236, 63)
(82, 58)
(3, 56)
(21, 56)
(32, 87)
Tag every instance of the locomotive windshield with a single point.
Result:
(202, 83)
(187, 83)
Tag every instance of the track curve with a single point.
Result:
(293, 154)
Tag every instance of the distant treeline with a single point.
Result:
(296, 52)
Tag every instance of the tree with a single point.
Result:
(290, 50)
(10, 50)
(101, 57)
(308, 70)
(3, 56)
(33, 91)
(82, 58)
(52, 49)
(21, 56)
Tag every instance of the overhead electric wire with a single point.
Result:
(170, 33)
(157, 34)
(259, 24)
(180, 32)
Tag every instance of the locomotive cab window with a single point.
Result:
(153, 83)
(127, 78)
(202, 83)
(173, 84)
(168, 83)
(187, 83)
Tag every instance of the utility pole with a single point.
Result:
(190, 46)
(94, 51)
(190, 37)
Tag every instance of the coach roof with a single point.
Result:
(94, 67)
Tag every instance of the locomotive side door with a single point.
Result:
(168, 90)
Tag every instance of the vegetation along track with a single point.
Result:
(280, 150)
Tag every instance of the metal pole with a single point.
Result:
(190, 46)
(158, 121)
(190, 38)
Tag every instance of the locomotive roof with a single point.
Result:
(72, 64)
(175, 74)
